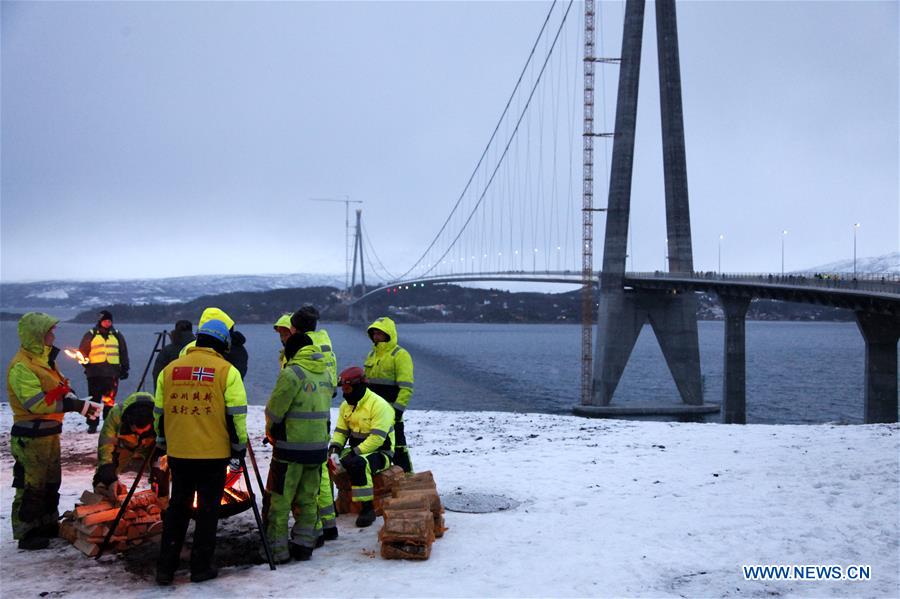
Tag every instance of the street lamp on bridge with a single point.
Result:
(855, 229)
(721, 237)
(783, 235)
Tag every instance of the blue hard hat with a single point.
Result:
(217, 330)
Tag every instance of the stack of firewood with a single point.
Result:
(413, 518)
(88, 524)
(383, 484)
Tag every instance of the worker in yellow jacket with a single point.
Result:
(38, 396)
(389, 372)
(107, 354)
(127, 436)
(297, 416)
(305, 320)
(367, 422)
(200, 417)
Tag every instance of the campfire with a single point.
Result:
(235, 499)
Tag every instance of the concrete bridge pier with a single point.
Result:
(734, 384)
(357, 313)
(881, 334)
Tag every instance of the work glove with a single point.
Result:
(334, 464)
(106, 474)
(238, 454)
(62, 392)
(234, 465)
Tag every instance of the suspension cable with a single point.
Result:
(506, 148)
(490, 141)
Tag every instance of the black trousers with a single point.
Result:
(206, 478)
(401, 452)
(98, 386)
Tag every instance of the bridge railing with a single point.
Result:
(877, 282)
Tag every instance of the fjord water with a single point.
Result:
(797, 372)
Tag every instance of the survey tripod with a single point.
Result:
(157, 347)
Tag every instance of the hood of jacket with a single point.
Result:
(309, 358)
(215, 314)
(237, 338)
(32, 328)
(387, 326)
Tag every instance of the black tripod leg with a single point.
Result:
(259, 525)
(115, 523)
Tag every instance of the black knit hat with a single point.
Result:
(305, 318)
(105, 315)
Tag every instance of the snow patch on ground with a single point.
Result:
(52, 294)
(608, 508)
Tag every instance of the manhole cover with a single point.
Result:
(478, 503)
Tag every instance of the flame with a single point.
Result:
(109, 400)
(232, 493)
(76, 355)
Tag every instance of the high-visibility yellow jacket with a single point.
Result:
(389, 367)
(321, 339)
(200, 409)
(118, 443)
(298, 410)
(106, 352)
(33, 383)
(369, 425)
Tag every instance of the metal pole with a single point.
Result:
(157, 347)
(259, 525)
(855, 228)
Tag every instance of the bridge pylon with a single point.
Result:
(623, 312)
(356, 311)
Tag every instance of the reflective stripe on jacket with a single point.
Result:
(200, 409)
(321, 338)
(389, 367)
(369, 426)
(298, 410)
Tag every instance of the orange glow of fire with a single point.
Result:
(76, 355)
(109, 400)
(236, 495)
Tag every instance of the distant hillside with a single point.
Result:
(435, 303)
(82, 295)
(878, 265)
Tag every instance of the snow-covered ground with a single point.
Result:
(608, 508)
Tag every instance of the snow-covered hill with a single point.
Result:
(86, 294)
(877, 265)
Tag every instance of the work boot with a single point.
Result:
(33, 542)
(320, 541)
(301, 554)
(50, 530)
(92, 428)
(366, 515)
(330, 533)
(204, 575)
(164, 577)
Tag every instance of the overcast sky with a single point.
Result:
(175, 138)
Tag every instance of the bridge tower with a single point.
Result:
(357, 312)
(623, 312)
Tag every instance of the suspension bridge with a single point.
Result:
(522, 216)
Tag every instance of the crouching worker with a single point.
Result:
(127, 436)
(38, 395)
(297, 426)
(200, 417)
(367, 421)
